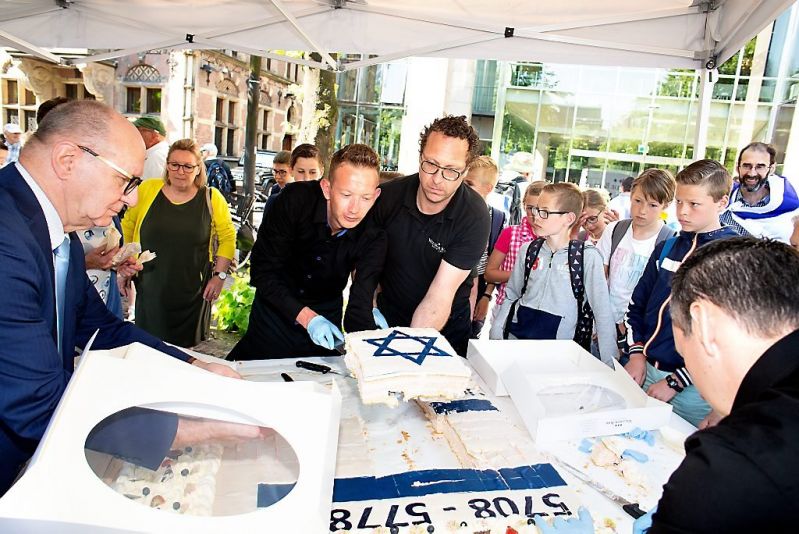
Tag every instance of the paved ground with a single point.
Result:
(219, 344)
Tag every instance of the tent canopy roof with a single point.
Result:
(646, 33)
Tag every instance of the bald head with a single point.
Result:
(86, 190)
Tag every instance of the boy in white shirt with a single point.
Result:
(627, 244)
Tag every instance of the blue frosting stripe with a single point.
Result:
(269, 494)
(467, 405)
(433, 481)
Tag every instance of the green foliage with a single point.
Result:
(232, 308)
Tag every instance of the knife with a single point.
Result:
(631, 508)
(318, 368)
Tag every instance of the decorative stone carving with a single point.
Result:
(99, 81)
(39, 78)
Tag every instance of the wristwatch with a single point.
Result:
(673, 383)
(222, 275)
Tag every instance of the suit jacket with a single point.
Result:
(33, 375)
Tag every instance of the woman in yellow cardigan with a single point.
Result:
(180, 219)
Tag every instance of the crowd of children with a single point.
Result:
(573, 270)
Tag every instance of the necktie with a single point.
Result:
(61, 267)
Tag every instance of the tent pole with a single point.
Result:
(253, 96)
(25, 46)
(327, 58)
(499, 113)
(707, 79)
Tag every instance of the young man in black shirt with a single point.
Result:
(299, 271)
(437, 229)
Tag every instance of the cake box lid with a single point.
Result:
(59, 491)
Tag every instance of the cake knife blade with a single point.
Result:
(631, 508)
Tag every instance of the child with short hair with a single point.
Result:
(626, 245)
(482, 178)
(702, 193)
(540, 301)
(306, 163)
(503, 257)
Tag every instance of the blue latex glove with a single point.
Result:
(582, 524)
(380, 321)
(643, 523)
(324, 333)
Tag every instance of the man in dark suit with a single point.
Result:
(77, 171)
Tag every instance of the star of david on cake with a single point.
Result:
(427, 343)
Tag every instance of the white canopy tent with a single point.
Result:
(695, 34)
(651, 33)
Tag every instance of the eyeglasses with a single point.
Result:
(428, 167)
(530, 209)
(544, 214)
(175, 167)
(133, 181)
(760, 168)
(594, 218)
(280, 173)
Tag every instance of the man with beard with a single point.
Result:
(761, 203)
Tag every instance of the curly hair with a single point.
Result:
(452, 126)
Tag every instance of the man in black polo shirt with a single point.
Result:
(437, 230)
(301, 269)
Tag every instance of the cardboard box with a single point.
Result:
(60, 492)
(563, 392)
(491, 357)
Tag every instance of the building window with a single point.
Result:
(143, 90)
(269, 64)
(12, 93)
(30, 98)
(225, 120)
(134, 100)
(263, 130)
(30, 120)
(12, 116)
(71, 91)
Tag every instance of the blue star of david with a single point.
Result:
(427, 342)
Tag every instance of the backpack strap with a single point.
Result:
(667, 246)
(497, 222)
(583, 330)
(665, 233)
(529, 259)
(618, 234)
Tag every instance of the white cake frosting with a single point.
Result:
(411, 363)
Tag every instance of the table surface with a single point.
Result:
(401, 440)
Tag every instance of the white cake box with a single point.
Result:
(491, 357)
(59, 491)
(562, 392)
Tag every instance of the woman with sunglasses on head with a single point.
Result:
(188, 226)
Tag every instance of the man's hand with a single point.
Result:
(661, 390)
(129, 268)
(98, 258)
(610, 216)
(217, 368)
(643, 523)
(712, 419)
(324, 333)
(481, 308)
(213, 288)
(582, 524)
(380, 320)
(124, 286)
(636, 368)
(192, 431)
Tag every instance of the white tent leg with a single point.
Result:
(706, 82)
(25, 46)
(499, 112)
(327, 58)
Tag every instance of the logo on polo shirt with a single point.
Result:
(438, 247)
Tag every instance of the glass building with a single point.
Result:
(596, 125)
(371, 104)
